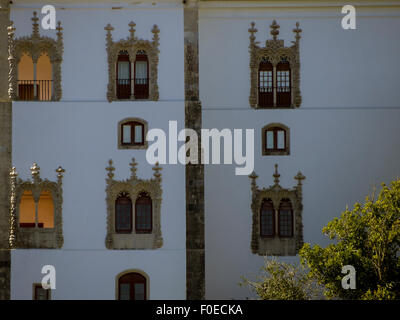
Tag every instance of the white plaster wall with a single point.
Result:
(344, 137)
(80, 134)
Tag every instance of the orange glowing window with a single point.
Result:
(46, 210)
(27, 210)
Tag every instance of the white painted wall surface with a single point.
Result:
(343, 138)
(80, 134)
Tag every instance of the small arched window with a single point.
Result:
(141, 89)
(143, 214)
(265, 84)
(283, 84)
(132, 286)
(285, 218)
(123, 75)
(275, 139)
(267, 220)
(132, 133)
(123, 214)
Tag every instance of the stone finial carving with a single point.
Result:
(132, 45)
(133, 187)
(35, 237)
(274, 52)
(288, 246)
(34, 46)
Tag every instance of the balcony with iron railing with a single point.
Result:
(138, 88)
(35, 90)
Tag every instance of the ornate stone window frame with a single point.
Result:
(283, 152)
(133, 187)
(51, 238)
(132, 45)
(276, 245)
(132, 146)
(34, 46)
(275, 51)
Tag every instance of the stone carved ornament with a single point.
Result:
(274, 51)
(34, 46)
(276, 193)
(133, 187)
(132, 45)
(44, 237)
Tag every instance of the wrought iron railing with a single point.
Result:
(140, 87)
(35, 90)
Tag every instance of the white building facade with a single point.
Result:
(340, 131)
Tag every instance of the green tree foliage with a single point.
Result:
(368, 238)
(283, 281)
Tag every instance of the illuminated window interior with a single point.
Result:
(46, 210)
(27, 210)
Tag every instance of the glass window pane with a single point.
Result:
(138, 134)
(270, 140)
(126, 134)
(139, 291)
(141, 70)
(124, 291)
(281, 139)
(123, 70)
(123, 216)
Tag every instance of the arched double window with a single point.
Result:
(40, 215)
(285, 218)
(274, 84)
(275, 139)
(132, 133)
(267, 219)
(132, 286)
(123, 214)
(139, 85)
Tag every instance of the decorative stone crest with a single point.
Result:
(132, 45)
(34, 46)
(35, 237)
(275, 51)
(133, 187)
(277, 245)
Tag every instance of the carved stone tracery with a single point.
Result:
(34, 46)
(277, 245)
(275, 51)
(35, 237)
(132, 45)
(134, 187)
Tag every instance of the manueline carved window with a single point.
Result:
(36, 211)
(132, 66)
(133, 210)
(274, 71)
(277, 218)
(35, 65)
